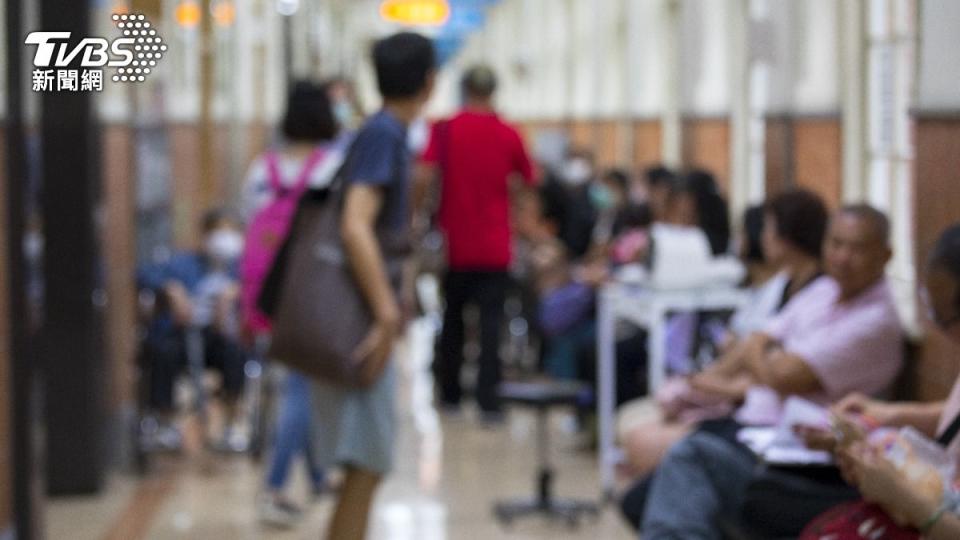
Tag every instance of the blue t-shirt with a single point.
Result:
(202, 281)
(379, 157)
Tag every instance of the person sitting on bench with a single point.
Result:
(840, 335)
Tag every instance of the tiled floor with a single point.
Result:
(449, 473)
(89, 518)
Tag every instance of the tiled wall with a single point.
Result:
(191, 195)
(632, 144)
(937, 202)
(779, 154)
(807, 152)
(803, 151)
(817, 157)
(119, 251)
(647, 144)
(706, 145)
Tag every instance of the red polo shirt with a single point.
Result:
(476, 153)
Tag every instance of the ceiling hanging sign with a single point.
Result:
(447, 46)
(464, 20)
(416, 12)
(466, 16)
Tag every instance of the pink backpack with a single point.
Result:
(265, 236)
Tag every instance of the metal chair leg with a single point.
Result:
(544, 503)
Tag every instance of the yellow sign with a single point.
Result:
(224, 12)
(416, 12)
(188, 14)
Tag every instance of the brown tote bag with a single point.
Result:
(320, 315)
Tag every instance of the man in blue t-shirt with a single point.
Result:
(355, 427)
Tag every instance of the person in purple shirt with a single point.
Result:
(841, 334)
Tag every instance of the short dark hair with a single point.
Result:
(403, 63)
(658, 175)
(877, 219)
(479, 81)
(801, 219)
(712, 212)
(309, 116)
(214, 217)
(946, 256)
(581, 152)
(618, 177)
(752, 250)
(633, 216)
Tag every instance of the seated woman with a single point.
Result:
(792, 232)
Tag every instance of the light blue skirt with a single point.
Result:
(356, 427)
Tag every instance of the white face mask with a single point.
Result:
(576, 171)
(224, 245)
(343, 112)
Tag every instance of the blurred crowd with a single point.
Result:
(819, 320)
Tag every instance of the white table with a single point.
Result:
(647, 308)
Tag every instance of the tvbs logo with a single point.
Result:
(134, 55)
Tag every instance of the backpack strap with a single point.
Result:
(274, 177)
(309, 165)
(337, 184)
(273, 172)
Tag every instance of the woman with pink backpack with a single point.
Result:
(308, 157)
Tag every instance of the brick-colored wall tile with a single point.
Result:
(936, 193)
(817, 157)
(706, 145)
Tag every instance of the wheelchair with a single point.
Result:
(149, 437)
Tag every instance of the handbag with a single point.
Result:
(319, 313)
(858, 520)
(565, 307)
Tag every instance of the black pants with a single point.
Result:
(165, 357)
(779, 503)
(486, 289)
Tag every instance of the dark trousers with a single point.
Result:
(634, 501)
(486, 289)
(165, 357)
(777, 503)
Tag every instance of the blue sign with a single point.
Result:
(466, 16)
(447, 46)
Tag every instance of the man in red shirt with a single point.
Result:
(475, 154)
